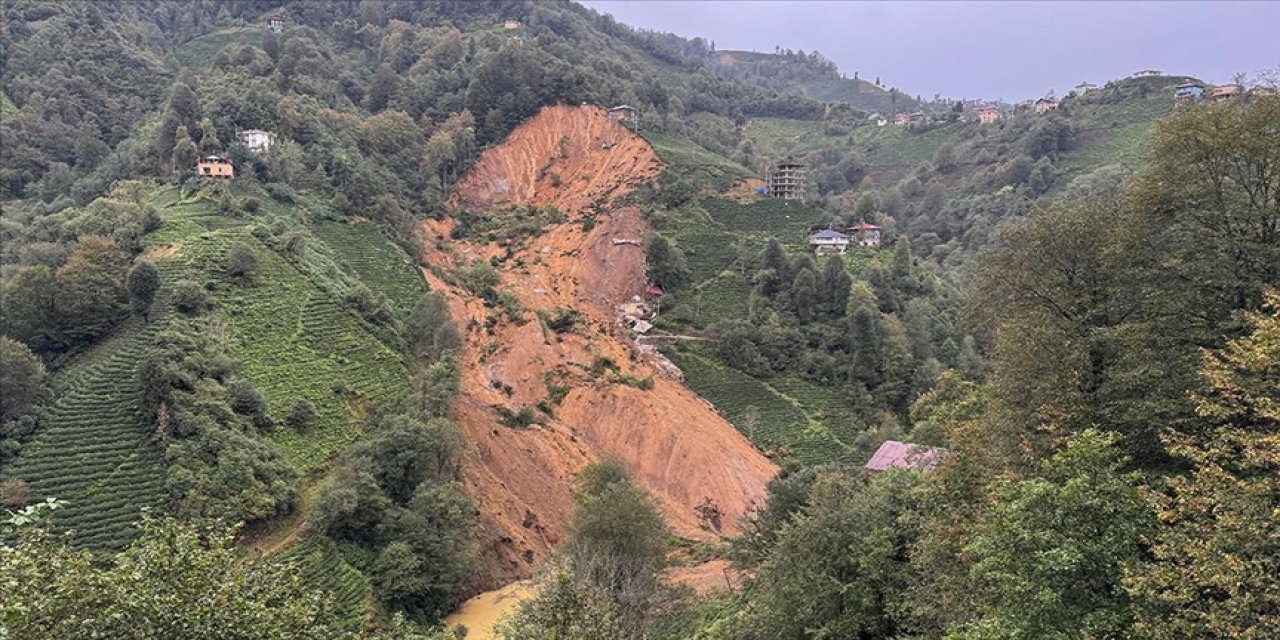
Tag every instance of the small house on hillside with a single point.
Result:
(1226, 92)
(901, 119)
(864, 234)
(988, 115)
(511, 25)
(623, 113)
(903, 455)
(1045, 105)
(255, 139)
(1084, 87)
(878, 119)
(915, 117)
(829, 241)
(1261, 91)
(654, 290)
(1188, 91)
(215, 166)
(275, 24)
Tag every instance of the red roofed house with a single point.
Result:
(902, 455)
(987, 115)
(275, 23)
(865, 235)
(1225, 92)
(901, 118)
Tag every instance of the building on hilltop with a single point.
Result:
(1147, 73)
(623, 113)
(901, 119)
(1261, 91)
(215, 166)
(828, 241)
(904, 455)
(275, 24)
(255, 139)
(865, 234)
(1188, 92)
(988, 115)
(511, 25)
(1223, 93)
(787, 180)
(1084, 87)
(1045, 105)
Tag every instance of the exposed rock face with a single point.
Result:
(579, 161)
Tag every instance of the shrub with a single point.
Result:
(242, 262)
(601, 364)
(188, 297)
(564, 320)
(246, 399)
(251, 205)
(302, 414)
(14, 492)
(516, 419)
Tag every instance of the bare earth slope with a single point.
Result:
(674, 443)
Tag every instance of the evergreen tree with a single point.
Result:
(209, 142)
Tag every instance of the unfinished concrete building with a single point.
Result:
(787, 180)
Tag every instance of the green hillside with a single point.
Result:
(95, 452)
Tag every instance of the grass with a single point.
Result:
(687, 158)
(293, 337)
(383, 266)
(320, 565)
(777, 424)
(199, 51)
(94, 453)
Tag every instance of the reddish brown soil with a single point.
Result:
(673, 442)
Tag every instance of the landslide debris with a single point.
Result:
(591, 393)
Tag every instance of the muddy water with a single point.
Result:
(481, 613)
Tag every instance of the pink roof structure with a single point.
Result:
(902, 455)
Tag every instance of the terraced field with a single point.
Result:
(778, 425)
(320, 565)
(94, 452)
(295, 340)
(384, 267)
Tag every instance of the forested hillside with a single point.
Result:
(396, 361)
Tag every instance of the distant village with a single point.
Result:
(985, 113)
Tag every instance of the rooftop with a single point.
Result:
(903, 455)
(827, 234)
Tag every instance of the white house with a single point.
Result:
(829, 240)
(255, 139)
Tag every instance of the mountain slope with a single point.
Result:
(591, 378)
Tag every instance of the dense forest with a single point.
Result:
(227, 407)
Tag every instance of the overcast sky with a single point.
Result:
(993, 50)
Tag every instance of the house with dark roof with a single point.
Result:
(904, 455)
(829, 241)
(1188, 92)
